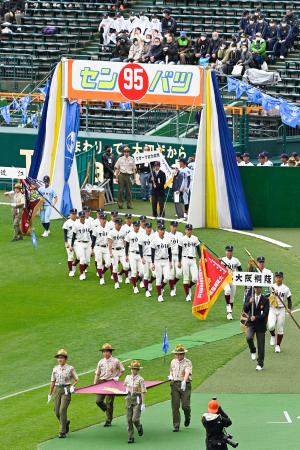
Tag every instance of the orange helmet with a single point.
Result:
(213, 406)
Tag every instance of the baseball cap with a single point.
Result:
(81, 214)
(128, 216)
(118, 221)
(266, 154)
(183, 33)
(161, 226)
(189, 226)
(174, 166)
(182, 160)
(99, 210)
(174, 223)
(238, 154)
(143, 217)
(260, 259)
(114, 213)
(86, 208)
(73, 211)
(284, 156)
(261, 155)
(279, 274)
(229, 248)
(295, 154)
(148, 225)
(213, 406)
(46, 178)
(246, 154)
(103, 216)
(136, 223)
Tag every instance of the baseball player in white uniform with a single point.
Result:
(116, 245)
(100, 247)
(161, 258)
(96, 222)
(276, 317)
(88, 218)
(82, 236)
(132, 253)
(127, 226)
(233, 264)
(143, 221)
(188, 247)
(186, 174)
(68, 234)
(145, 252)
(176, 271)
(111, 223)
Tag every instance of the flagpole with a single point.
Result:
(217, 256)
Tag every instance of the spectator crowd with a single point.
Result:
(243, 159)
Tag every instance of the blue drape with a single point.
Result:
(240, 217)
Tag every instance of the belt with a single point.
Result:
(180, 381)
(132, 251)
(84, 242)
(119, 248)
(63, 385)
(98, 245)
(161, 259)
(190, 257)
(123, 173)
(134, 394)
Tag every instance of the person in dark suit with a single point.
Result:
(109, 161)
(158, 180)
(257, 308)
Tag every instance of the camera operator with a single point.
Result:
(214, 422)
(121, 51)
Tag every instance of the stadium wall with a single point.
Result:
(272, 192)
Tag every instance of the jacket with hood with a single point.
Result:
(214, 425)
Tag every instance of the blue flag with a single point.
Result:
(33, 238)
(5, 112)
(165, 346)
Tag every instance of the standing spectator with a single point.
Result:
(231, 59)
(145, 55)
(271, 35)
(125, 171)
(135, 51)
(201, 47)
(267, 161)
(296, 156)
(15, 11)
(177, 187)
(156, 53)
(155, 23)
(158, 180)
(168, 23)
(170, 50)
(144, 172)
(119, 23)
(238, 158)
(184, 47)
(246, 160)
(258, 50)
(144, 23)
(261, 26)
(250, 28)
(293, 22)
(104, 27)
(213, 47)
(121, 50)
(284, 160)
(244, 21)
(284, 36)
(109, 161)
(131, 22)
(186, 174)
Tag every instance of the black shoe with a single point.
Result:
(130, 440)
(187, 422)
(14, 239)
(107, 424)
(62, 435)
(19, 238)
(68, 426)
(141, 431)
(129, 207)
(175, 429)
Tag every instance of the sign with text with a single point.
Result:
(147, 157)
(143, 83)
(12, 172)
(252, 279)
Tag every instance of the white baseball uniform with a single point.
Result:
(127, 228)
(111, 225)
(189, 262)
(145, 241)
(186, 174)
(68, 225)
(101, 246)
(135, 261)
(161, 258)
(83, 246)
(175, 271)
(233, 264)
(276, 316)
(118, 249)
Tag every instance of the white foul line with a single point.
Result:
(287, 417)
(260, 236)
(44, 385)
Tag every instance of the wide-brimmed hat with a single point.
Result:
(135, 365)
(179, 350)
(18, 186)
(106, 347)
(61, 352)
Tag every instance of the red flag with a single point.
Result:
(33, 204)
(212, 276)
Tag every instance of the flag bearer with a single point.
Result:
(50, 199)
(18, 202)
(135, 388)
(233, 264)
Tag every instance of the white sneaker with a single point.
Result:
(150, 287)
(71, 273)
(82, 276)
(253, 356)
(120, 279)
(272, 340)
(127, 280)
(160, 299)
(190, 292)
(148, 294)
(136, 290)
(258, 367)
(277, 349)
(45, 234)
(97, 274)
(229, 316)
(173, 293)
(111, 277)
(117, 286)
(142, 284)
(74, 269)
(281, 57)
(188, 298)
(101, 281)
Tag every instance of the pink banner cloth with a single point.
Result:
(112, 388)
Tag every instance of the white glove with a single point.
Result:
(183, 385)
(13, 205)
(116, 378)
(143, 407)
(49, 398)
(170, 378)
(72, 389)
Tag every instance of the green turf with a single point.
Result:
(251, 415)
(43, 310)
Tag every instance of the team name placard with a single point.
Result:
(252, 279)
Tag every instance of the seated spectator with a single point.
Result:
(156, 54)
(258, 50)
(201, 47)
(213, 47)
(132, 22)
(136, 33)
(267, 160)
(145, 55)
(284, 39)
(144, 23)
(104, 27)
(291, 162)
(261, 160)
(184, 48)
(250, 28)
(119, 23)
(261, 26)
(168, 23)
(243, 40)
(111, 36)
(244, 21)
(14, 11)
(246, 160)
(293, 22)
(246, 59)
(222, 53)
(155, 23)
(238, 157)
(284, 160)
(231, 58)
(271, 35)
(135, 51)
(296, 156)
(170, 49)
(117, 4)
(121, 50)
(156, 34)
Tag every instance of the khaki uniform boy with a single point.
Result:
(135, 387)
